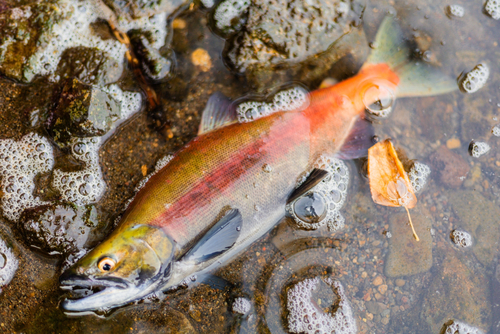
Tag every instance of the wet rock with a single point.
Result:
(407, 256)
(479, 217)
(154, 64)
(284, 33)
(458, 291)
(450, 166)
(143, 8)
(83, 111)
(61, 228)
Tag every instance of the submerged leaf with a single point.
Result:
(389, 183)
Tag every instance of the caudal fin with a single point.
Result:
(417, 78)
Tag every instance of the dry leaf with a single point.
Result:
(389, 183)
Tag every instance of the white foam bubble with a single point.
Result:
(241, 305)
(418, 175)
(333, 188)
(476, 79)
(228, 11)
(20, 162)
(156, 25)
(457, 327)
(85, 186)
(456, 10)
(306, 317)
(208, 3)
(479, 148)
(492, 7)
(8, 264)
(496, 130)
(461, 238)
(295, 98)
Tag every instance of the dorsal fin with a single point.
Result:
(316, 176)
(358, 142)
(218, 112)
(218, 239)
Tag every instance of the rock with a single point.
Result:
(407, 256)
(154, 64)
(382, 289)
(377, 281)
(479, 217)
(458, 291)
(285, 33)
(400, 282)
(451, 167)
(142, 8)
(61, 228)
(83, 111)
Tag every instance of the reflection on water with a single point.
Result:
(370, 274)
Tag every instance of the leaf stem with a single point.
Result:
(411, 224)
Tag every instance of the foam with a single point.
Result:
(478, 148)
(418, 176)
(461, 238)
(476, 79)
(228, 11)
(241, 305)
(156, 25)
(8, 264)
(332, 188)
(85, 186)
(492, 7)
(456, 10)
(20, 162)
(457, 327)
(306, 317)
(496, 130)
(295, 98)
(208, 3)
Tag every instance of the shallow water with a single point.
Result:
(391, 283)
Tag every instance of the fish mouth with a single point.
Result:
(101, 294)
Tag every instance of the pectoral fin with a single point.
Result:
(218, 113)
(316, 176)
(220, 238)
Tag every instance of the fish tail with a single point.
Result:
(416, 77)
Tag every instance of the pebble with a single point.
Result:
(377, 281)
(201, 58)
(382, 289)
(400, 282)
(453, 143)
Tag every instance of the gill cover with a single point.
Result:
(128, 266)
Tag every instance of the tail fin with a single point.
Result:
(417, 78)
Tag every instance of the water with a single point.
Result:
(392, 284)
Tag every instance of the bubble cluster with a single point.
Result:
(20, 162)
(332, 190)
(496, 131)
(478, 148)
(492, 7)
(306, 317)
(457, 327)
(241, 305)
(156, 26)
(381, 108)
(456, 10)
(230, 11)
(86, 185)
(461, 238)
(418, 175)
(476, 79)
(287, 100)
(8, 264)
(130, 102)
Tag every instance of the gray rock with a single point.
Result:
(407, 256)
(478, 216)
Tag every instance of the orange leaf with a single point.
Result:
(389, 183)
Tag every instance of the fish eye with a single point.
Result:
(106, 264)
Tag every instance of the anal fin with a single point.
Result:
(220, 238)
(358, 142)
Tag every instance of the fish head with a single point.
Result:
(127, 266)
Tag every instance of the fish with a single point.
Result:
(229, 186)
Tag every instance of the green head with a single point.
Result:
(129, 265)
